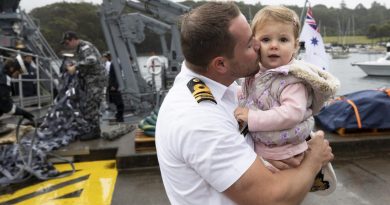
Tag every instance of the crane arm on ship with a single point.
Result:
(123, 31)
(166, 11)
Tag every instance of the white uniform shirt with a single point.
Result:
(200, 150)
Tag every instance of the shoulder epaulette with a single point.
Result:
(200, 91)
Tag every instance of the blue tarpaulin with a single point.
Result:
(372, 106)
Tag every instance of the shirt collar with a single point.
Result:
(217, 89)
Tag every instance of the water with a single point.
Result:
(352, 78)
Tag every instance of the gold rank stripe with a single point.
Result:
(200, 91)
(199, 97)
(93, 183)
(204, 95)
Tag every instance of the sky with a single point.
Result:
(28, 5)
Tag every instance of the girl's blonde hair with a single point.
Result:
(276, 13)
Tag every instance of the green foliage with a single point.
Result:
(354, 40)
(83, 18)
(54, 19)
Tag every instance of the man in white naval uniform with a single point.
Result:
(203, 157)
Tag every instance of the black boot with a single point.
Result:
(94, 134)
(4, 129)
(119, 118)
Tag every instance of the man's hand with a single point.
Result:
(319, 149)
(71, 69)
(241, 114)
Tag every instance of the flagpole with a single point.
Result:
(301, 19)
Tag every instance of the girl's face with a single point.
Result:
(277, 43)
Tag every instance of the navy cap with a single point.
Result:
(107, 54)
(68, 35)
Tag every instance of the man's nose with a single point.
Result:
(256, 45)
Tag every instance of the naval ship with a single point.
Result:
(88, 170)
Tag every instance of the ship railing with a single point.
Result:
(43, 96)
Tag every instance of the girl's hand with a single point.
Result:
(241, 114)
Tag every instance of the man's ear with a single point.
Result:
(219, 64)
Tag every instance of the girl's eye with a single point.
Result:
(284, 39)
(265, 39)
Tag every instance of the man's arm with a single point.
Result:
(291, 162)
(259, 186)
(89, 55)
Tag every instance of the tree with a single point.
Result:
(372, 31)
(82, 17)
(79, 17)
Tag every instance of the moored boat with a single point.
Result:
(380, 67)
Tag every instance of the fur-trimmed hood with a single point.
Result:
(324, 84)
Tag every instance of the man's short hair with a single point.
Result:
(205, 32)
(12, 64)
(69, 35)
(26, 52)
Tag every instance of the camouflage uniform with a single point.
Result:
(91, 72)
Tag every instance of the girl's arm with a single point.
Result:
(292, 110)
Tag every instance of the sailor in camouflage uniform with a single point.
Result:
(90, 70)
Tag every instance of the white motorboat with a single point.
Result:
(380, 67)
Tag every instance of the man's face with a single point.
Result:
(28, 59)
(246, 59)
(70, 43)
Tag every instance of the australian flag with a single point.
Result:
(314, 45)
